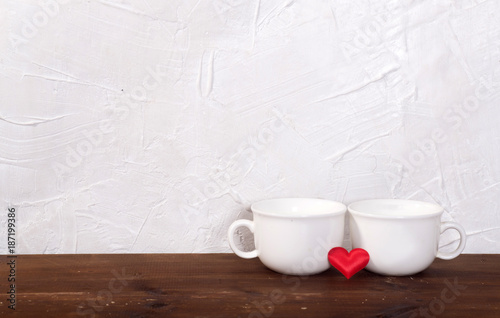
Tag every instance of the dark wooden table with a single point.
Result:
(223, 285)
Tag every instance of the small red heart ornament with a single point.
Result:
(348, 263)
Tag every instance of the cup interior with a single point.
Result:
(395, 209)
(298, 207)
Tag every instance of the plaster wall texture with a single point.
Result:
(150, 126)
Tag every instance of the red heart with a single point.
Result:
(348, 263)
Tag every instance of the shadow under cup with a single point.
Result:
(293, 235)
(401, 236)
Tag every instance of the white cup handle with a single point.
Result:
(230, 233)
(452, 225)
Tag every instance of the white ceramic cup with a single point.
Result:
(401, 236)
(293, 235)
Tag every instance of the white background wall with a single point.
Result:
(150, 126)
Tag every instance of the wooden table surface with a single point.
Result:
(223, 285)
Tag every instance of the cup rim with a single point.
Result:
(338, 208)
(356, 212)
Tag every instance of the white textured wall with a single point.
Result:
(150, 126)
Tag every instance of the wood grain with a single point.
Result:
(223, 285)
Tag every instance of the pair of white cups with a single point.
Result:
(294, 235)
